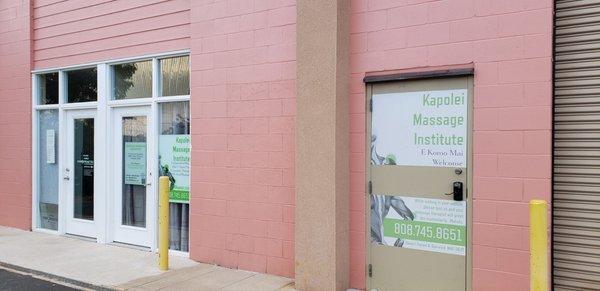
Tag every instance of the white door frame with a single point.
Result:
(100, 188)
(75, 226)
(145, 237)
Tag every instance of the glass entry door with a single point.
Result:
(78, 175)
(133, 181)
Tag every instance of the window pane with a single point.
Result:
(133, 80)
(48, 88)
(48, 169)
(83, 207)
(179, 215)
(174, 160)
(82, 85)
(175, 118)
(175, 73)
(134, 171)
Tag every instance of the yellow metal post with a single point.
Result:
(538, 245)
(163, 223)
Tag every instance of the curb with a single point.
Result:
(55, 277)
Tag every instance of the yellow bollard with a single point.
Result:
(538, 245)
(163, 223)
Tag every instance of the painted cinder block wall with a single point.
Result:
(510, 45)
(243, 107)
(242, 99)
(15, 118)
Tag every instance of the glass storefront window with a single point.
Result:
(48, 169)
(132, 80)
(151, 80)
(82, 85)
(174, 160)
(48, 88)
(175, 76)
(134, 173)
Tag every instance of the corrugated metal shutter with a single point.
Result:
(576, 219)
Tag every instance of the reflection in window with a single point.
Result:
(175, 75)
(48, 169)
(82, 85)
(174, 140)
(175, 118)
(48, 88)
(132, 80)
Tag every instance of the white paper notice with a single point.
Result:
(426, 128)
(50, 146)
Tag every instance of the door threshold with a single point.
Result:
(130, 246)
(80, 237)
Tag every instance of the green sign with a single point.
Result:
(135, 163)
(434, 225)
(174, 153)
(425, 231)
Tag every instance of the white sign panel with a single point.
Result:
(426, 128)
(50, 146)
(434, 225)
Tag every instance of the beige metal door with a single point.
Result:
(418, 167)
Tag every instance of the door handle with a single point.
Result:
(66, 176)
(457, 191)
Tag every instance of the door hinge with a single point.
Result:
(370, 270)
(370, 186)
(371, 105)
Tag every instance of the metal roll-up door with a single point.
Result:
(576, 213)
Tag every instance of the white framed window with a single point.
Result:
(174, 76)
(81, 85)
(175, 143)
(131, 80)
(161, 81)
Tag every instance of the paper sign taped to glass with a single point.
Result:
(424, 128)
(135, 163)
(434, 225)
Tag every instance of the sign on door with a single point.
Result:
(427, 128)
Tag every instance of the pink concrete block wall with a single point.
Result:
(15, 117)
(243, 108)
(510, 45)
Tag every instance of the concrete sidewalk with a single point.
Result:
(209, 277)
(94, 265)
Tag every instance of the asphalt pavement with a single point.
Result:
(12, 281)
